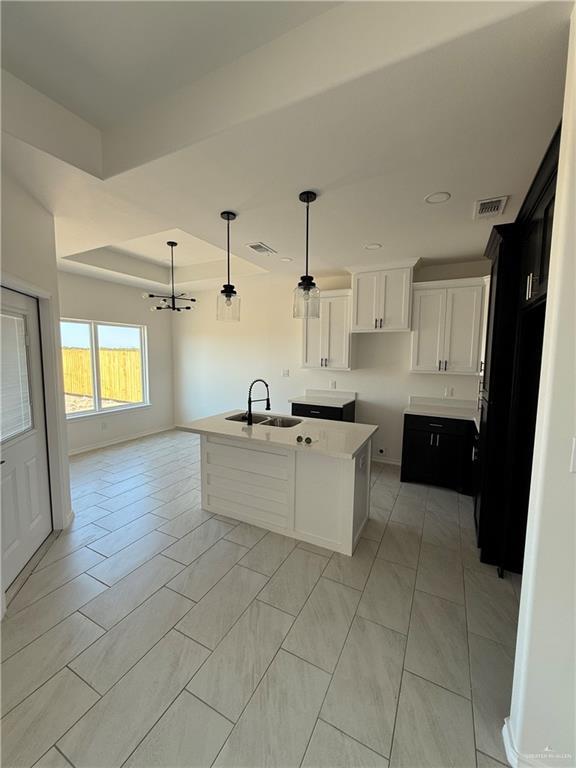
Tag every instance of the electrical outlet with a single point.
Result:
(332, 383)
(103, 426)
(286, 373)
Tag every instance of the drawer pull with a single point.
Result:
(435, 425)
(317, 412)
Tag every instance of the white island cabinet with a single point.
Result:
(318, 492)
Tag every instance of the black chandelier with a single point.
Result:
(170, 302)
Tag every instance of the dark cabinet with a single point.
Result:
(331, 412)
(520, 255)
(438, 451)
(535, 233)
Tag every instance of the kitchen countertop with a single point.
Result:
(338, 439)
(454, 409)
(330, 397)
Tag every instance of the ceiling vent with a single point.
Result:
(260, 248)
(487, 209)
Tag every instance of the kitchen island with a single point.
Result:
(310, 480)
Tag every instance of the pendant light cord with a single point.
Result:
(228, 247)
(307, 228)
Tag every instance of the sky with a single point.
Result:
(109, 336)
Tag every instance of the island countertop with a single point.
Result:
(339, 439)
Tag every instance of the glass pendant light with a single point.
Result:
(306, 293)
(228, 301)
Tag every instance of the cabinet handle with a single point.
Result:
(321, 362)
(439, 365)
(375, 323)
(381, 322)
(529, 286)
(445, 365)
(325, 362)
(316, 412)
(437, 440)
(431, 439)
(436, 425)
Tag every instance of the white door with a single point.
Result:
(366, 301)
(26, 509)
(311, 341)
(462, 336)
(428, 323)
(395, 292)
(335, 332)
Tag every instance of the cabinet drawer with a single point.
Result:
(318, 411)
(438, 424)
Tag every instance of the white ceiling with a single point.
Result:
(468, 107)
(105, 60)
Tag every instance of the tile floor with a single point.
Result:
(155, 634)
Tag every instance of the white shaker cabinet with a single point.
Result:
(326, 340)
(447, 327)
(381, 300)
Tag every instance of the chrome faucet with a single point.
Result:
(261, 400)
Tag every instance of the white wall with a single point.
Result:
(541, 728)
(86, 298)
(215, 362)
(29, 265)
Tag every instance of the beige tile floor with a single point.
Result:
(155, 634)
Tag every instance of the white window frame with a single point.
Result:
(98, 410)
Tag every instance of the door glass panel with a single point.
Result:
(120, 365)
(77, 366)
(16, 413)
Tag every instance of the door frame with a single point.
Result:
(53, 387)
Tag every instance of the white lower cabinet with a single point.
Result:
(326, 340)
(447, 327)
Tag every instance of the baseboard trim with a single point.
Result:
(517, 759)
(385, 460)
(511, 753)
(116, 441)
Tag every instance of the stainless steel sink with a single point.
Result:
(257, 418)
(281, 421)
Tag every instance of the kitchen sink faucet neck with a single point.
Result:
(261, 400)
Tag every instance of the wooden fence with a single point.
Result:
(120, 373)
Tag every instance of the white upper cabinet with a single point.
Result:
(447, 327)
(326, 341)
(381, 300)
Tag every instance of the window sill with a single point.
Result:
(92, 414)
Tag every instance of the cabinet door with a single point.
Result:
(418, 457)
(311, 341)
(463, 326)
(428, 322)
(448, 462)
(335, 332)
(395, 300)
(366, 301)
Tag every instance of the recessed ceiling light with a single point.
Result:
(372, 246)
(286, 259)
(438, 197)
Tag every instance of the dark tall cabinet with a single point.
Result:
(520, 255)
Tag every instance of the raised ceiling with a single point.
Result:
(105, 61)
(374, 105)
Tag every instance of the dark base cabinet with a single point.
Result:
(438, 451)
(331, 412)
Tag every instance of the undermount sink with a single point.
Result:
(257, 418)
(281, 421)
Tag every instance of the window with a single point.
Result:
(16, 411)
(104, 366)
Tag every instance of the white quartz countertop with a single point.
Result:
(338, 439)
(461, 409)
(334, 402)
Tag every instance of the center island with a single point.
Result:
(301, 477)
